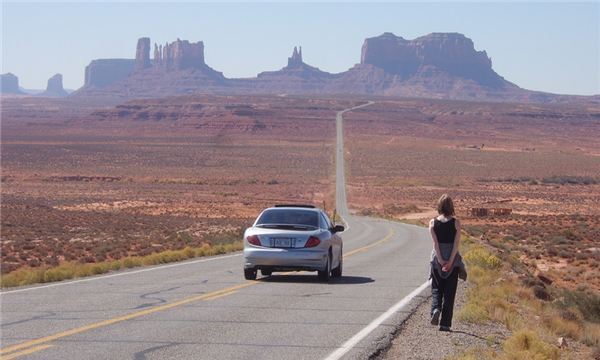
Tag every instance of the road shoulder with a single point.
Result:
(416, 338)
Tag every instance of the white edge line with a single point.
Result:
(348, 345)
(99, 277)
(345, 222)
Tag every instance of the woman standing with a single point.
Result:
(446, 263)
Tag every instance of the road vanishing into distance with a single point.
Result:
(205, 309)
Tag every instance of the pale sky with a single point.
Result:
(544, 46)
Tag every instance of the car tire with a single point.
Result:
(266, 272)
(250, 274)
(337, 272)
(326, 274)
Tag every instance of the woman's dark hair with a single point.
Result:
(445, 205)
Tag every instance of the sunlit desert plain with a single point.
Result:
(92, 182)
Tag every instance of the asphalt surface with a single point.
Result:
(205, 309)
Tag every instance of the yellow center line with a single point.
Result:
(26, 352)
(122, 318)
(210, 296)
(219, 296)
(372, 245)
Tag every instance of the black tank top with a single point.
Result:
(444, 231)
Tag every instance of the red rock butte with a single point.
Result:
(438, 65)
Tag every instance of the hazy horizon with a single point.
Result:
(543, 46)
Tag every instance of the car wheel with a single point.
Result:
(325, 274)
(266, 272)
(337, 272)
(250, 274)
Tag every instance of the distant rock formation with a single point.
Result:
(296, 78)
(142, 54)
(179, 55)
(55, 87)
(103, 72)
(451, 53)
(438, 65)
(296, 59)
(9, 84)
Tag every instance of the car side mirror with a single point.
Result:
(338, 228)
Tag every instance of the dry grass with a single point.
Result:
(72, 270)
(502, 295)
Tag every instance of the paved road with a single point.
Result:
(340, 185)
(204, 309)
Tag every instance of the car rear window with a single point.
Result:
(288, 217)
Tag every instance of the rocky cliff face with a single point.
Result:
(103, 72)
(142, 54)
(55, 87)
(295, 60)
(9, 84)
(438, 65)
(451, 53)
(179, 55)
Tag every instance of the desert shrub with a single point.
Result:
(560, 326)
(219, 249)
(540, 292)
(52, 261)
(499, 245)
(81, 269)
(474, 313)
(33, 263)
(129, 262)
(567, 179)
(566, 254)
(483, 259)
(410, 207)
(475, 230)
(569, 234)
(526, 344)
(189, 253)
(202, 251)
(115, 265)
(87, 259)
(223, 239)
(572, 315)
(551, 251)
(59, 273)
(582, 256)
(182, 236)
(23, 277)
(559, 240)
(10, 258)
(586, 302)
(590, 335)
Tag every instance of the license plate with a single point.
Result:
(282, 242)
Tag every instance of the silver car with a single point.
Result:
(293, 238)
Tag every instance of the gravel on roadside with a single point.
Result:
(416, 338)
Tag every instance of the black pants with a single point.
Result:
(443, 292)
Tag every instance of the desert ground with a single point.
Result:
(91, 180)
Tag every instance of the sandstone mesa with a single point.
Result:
(438, 66)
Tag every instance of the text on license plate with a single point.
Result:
(283, 242)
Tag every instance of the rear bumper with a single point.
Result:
(285, 259)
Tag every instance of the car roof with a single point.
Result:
(296, 206)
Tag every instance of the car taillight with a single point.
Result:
(312, 241)
(253, 239)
